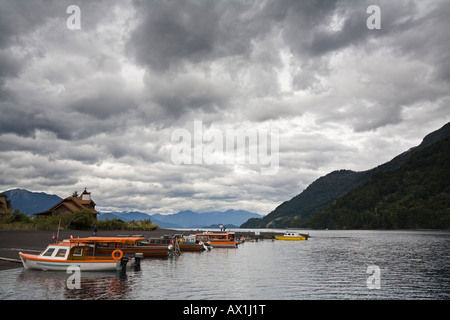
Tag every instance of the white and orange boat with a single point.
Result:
(86, 253)
(217, 239)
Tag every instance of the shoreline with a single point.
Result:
(34, 241)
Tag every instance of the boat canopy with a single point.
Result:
(128, 240)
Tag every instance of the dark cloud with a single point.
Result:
(172, 33)
(107, 101)
(26, 122)
(96, 107)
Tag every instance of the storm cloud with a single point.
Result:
(96, 107)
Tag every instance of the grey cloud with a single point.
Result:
(26, 122)
(175, 95)
(22, 16)
(74, 109)
(423, 37)
(172, 33)
(104, 104)
(10, 65)
(37, 171)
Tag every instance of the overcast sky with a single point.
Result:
(97, 107)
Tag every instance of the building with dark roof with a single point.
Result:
(72, 204)
(3, 205)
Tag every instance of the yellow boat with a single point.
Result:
(295, 236)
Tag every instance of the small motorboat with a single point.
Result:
(85, 253)
(189, 243)
(292, 236)
(217, 239)
(148, 247)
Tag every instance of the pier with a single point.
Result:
(34, 241)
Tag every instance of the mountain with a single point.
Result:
(31, 202)
(125, 216)
(185, 219)
(190, 219)
(414, 196)
(107, 216)
(298, 211)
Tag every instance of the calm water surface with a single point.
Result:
(330, 265)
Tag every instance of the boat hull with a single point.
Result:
(30, 261)
(223, 244)
(191, 247)
(290, 238)
(217, 240)
(147, 251)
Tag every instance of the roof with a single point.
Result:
(3, 206)
(129, 240)
(73, 204)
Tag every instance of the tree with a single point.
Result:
(79, 220)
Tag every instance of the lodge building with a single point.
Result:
(72, 204)
(3, 205)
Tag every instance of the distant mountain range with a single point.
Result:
(329, 189)
(29, 202)
(187, 218)
(190, 219)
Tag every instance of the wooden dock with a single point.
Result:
(10, 260)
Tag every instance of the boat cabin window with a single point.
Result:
(106, 245)
(49, 252)
(61, 253)
(77, 252)
(160, 241)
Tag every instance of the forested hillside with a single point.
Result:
(416, 195)
(321, 192)
(298, 211)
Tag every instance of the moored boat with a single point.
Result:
(217, 239)
(84, 253)
(133, 245)
(189, 243)
(183, 243)
(293, 236)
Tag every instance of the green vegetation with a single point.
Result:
(79, 220)
(16, 220)
(414, 196)
(117, 224)
(297, 211)
(382, 197)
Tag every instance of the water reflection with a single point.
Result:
(331, 265)
(93, 285)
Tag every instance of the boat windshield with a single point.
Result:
(56, 252)
(61, 253)
(48, 252)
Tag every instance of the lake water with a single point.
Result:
(330, 265)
